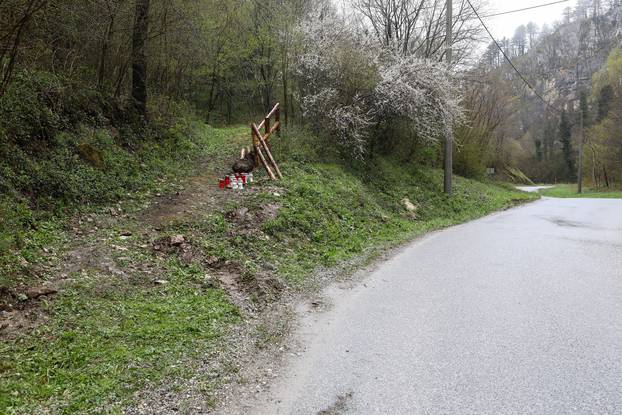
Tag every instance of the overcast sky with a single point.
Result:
(504, 25)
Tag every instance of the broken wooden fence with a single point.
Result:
(261, 141)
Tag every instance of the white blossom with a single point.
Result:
(349, 84)
(420, 92)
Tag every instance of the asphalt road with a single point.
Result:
(516, 313)
(533, 189)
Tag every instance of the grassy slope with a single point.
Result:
(570, 191)
(45, 190)
(108, 336)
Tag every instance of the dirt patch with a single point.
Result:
(250, 292)
(25, 317)
(198, 194)
(253, 218)
(176, 245)
(19, 308)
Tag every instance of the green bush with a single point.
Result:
(468, 161)
(38, 105)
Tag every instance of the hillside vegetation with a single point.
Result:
(134, 305)
(574, 68)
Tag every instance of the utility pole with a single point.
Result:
(581, 140)
(581, 133)
(448, 132)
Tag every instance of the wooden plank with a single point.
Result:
(268, 153)
(270, 114)
(276, 127)
(262, 141)
(255, 143)
(273, 111)
(265, 164)
(276, 166)
(272, 130)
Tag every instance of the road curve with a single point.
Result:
(516, 313)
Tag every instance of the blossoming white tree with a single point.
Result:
(421, 93)
(335, 75)
(351, 85)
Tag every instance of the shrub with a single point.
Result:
(353, 90)
(468, 161)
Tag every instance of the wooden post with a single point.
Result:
(267, 150)
(277, 119)
(255, 144)
(264, 162)
(266, 129)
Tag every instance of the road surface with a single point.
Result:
(516, 313)
(533, 189)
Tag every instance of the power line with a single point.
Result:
(537, 6)
(507, 58)
(523, 9)
(442, 8)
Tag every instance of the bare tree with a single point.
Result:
(532, 33)
(139, 57)
(15, 23)
(520, 40)
(417, 27)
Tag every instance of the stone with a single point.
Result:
(410, 206)
(177, 240)
(33, 293)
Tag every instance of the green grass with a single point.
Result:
(570, 191)
(329, 214)
(130, 176)
(99, 347)
(107, 336)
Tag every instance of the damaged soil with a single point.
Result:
(130, 253)
(99, 241)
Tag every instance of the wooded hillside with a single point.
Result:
(570, 66)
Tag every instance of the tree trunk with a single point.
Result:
(101, 71)
(9, 51)
(120, 79)
(139, 57)
(285, 89)
(594, 167)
